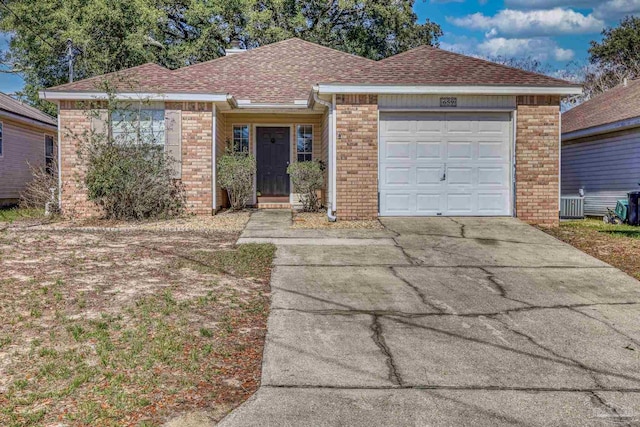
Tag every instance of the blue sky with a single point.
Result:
(553, 31)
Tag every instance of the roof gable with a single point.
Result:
(14, 106)
(619, 103)
(427, 65)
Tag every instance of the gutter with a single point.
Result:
(384, 89)
(606, 128)
(331, 156)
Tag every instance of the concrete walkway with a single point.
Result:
(443, 322)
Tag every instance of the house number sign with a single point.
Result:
(449, 101)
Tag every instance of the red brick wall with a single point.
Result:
(197, 122)
(75, 126)
(357, 156)
(197, 137)
(537, 160)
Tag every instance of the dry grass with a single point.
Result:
(618, 245)
(224, 222)
(128, 328)
(310, 220)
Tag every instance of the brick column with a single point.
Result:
(75, 127)
(197, 137)
(537, 159)
(357, 156)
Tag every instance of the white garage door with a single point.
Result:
(445, 164)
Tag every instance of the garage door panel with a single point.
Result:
(473, 149)
(398, 150)
(429, 176)
(460, 176)
(428, 150)
(398, 176)
(492, 150)
(492, 176)
(428, 203)
(459, 150)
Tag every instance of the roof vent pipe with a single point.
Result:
(235, 48)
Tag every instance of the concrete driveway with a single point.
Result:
(443, 322)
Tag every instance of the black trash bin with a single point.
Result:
(633, 208)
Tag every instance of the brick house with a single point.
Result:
(425, 132)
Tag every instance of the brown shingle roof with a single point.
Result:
(277, 73)
(619, 103)
(11, 105)
(286, 71)
(143, 78)
(427, 65)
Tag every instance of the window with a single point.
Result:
(305, 143)
(49, 154)
(1, 140)
(144, 126)
(241, 138)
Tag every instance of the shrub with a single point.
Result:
(42, 190)
(132, 180)
(307, 179)
(235, 175)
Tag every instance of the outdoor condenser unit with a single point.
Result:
(571, 207)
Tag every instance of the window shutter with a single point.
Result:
(173, 143)
(99, 122)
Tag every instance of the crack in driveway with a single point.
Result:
(378, 339)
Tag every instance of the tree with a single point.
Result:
(615, 58)
(110, 35)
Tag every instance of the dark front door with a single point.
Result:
(272, 155)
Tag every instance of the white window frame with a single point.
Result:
(304, 153)
(139, 109)
(233, 138)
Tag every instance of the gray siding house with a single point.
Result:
(27, 137)
(601, 148)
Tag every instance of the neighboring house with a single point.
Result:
(425, 132)
(601, 148)
(27, 137)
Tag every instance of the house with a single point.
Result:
(27, 137)
(425, 132)
(601, 148)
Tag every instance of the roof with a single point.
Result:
(427, 65)
(14, 106)
(286, 71)
(614, 105)
(146, 77)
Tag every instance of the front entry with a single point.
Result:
(272, 158)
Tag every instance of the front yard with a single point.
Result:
(128, 327)
(618, 245)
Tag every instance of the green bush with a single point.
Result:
(307, 179)
(132, 181)
(235, 174)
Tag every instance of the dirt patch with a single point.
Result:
(225, 221)
(615, 245)
(132, 328)
(311, 220)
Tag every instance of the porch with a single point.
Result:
(276, 140)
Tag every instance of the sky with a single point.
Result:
(556, 32)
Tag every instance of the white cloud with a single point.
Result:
(532, 23)
(540, 48)
(602, 9)
(616, 9)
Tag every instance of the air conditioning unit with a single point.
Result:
(571, 207)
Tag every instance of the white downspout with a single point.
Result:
(214, 145)
(331, 158)
(59, 148)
